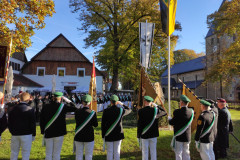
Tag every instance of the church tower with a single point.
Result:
(215, 46)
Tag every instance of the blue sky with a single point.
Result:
(192, 14)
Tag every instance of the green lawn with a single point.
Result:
(129, 148)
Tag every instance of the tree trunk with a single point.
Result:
(114, 79)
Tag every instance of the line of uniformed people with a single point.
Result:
(53, 126)
(213, 128)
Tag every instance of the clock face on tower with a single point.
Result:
(214, 49)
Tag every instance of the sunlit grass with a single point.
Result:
(129, 149)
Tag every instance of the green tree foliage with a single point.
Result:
(113, 25)
(22, 17)
(226, 23)
(185, 55)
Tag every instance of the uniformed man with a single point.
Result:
(86, 119)
(3, 118)
(215, 110)
(205, 132)
(147, 131)
(223, 127)
(112, 129)
(22, 126)
(181, 122)
(53, 124)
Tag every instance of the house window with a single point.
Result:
(212, 41)
(217, 40)
(61, 72)
(13, 65)
(183, 79)
(40, 71)
(196, 77)
(18, 68)
(81, 72)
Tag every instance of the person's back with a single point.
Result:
(53, 124)
(180, 118)
(21, 119)
(58, 128)
(181, 122)
(22, 126)
(86, 119)
(87, 133)
(112, 129)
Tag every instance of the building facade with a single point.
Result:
(191, 73)
(21, 83)
(60, 58)
(215, 46)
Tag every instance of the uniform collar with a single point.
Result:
(184, 107)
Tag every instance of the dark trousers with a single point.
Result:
(219, 152)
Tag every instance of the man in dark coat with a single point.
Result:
(22, 126)
(147, 131)
(86, 119)
(214, 109)
(53, 124)
(181, 122)
(224, 127)
(112, 129)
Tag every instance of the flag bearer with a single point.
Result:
(147, 131)
(112, 129)
(86, 119)
(205, 132)
(22, 126)
(181, 122)
(53, 124)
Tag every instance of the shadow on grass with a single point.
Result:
(128, 155)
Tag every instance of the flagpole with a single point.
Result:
(169, 77)
(169, 62)
(92, 86)
(6, 69)
(146, 47)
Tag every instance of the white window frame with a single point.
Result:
(81, 69)
(61, 68)
(38, 68)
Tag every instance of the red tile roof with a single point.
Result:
(20, 80)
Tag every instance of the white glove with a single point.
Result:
(33, 138)
(169, 117)
(79, 106)
(66, 99)
(197, 146)
(119, 102)
(1, 110)
(154, 104)
(1, 106)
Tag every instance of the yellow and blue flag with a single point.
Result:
(168, 13)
